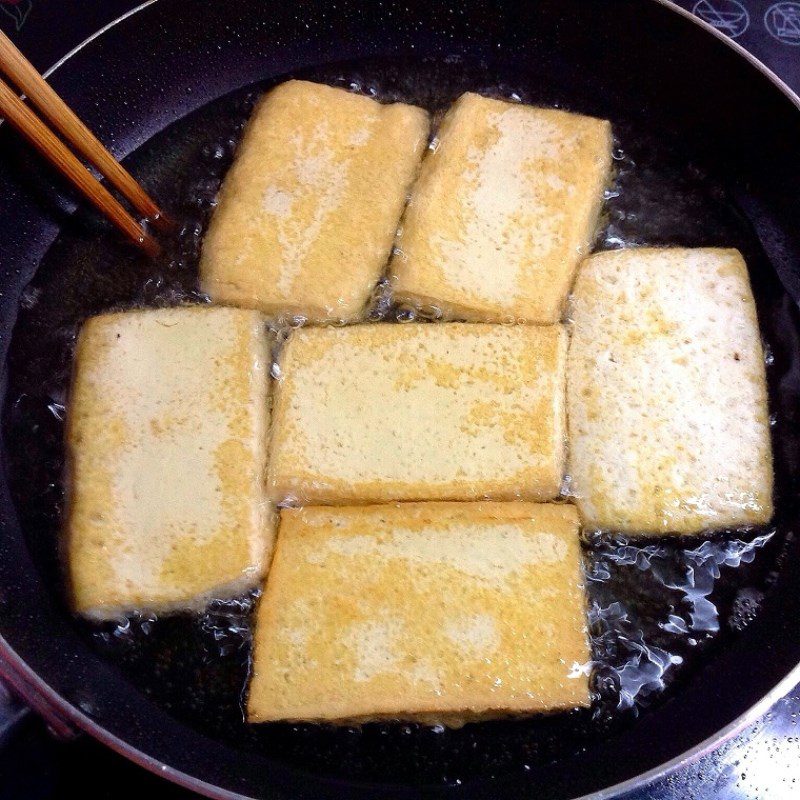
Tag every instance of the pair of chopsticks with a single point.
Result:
(24, 75)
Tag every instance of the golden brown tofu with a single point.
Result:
(308, 212)
(371, 413)
(504, 209)
(437, 612)
(166, 441)
(667, 400)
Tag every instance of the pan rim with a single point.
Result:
(51, 705)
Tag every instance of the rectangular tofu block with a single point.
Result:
(308, 212)
(667, 402)
(166, 444)
(505, 207)
(436, 612)
(455, 411)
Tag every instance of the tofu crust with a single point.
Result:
(457, 411)
(505, 207)
(432, 612)
(667, 399)
(308, 212)
(166, 449)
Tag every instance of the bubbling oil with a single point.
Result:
(657, 608)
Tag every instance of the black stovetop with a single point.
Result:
(763, 762)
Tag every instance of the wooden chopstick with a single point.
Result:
(52, 148)
(24, 75)
(21, 72)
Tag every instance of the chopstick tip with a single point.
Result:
(162, 222)
(149, 245)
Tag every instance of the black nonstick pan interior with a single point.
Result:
(687, 635)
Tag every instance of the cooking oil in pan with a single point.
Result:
(657, 609)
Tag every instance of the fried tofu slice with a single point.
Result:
(667, 400)
(308, 212)
(505, 207)
(166, 444)
(457, 411)
(431, 612)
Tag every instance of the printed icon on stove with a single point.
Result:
(782, 21)
(18, 10)
(728, 16)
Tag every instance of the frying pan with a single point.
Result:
(698, 100)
